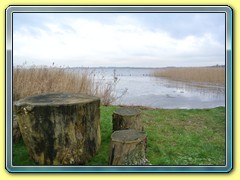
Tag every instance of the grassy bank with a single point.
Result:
(36, 80)
(214, 75)
(175, 137)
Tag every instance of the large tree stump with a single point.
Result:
(128, 147)
(126, 118)
(60, 128)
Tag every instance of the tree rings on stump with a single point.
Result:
(128, 147)
(60, 128)
(127, 118)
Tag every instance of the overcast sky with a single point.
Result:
(119, 39)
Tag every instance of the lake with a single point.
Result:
(142, 89)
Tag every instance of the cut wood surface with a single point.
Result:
(128, 147)
(127, 118)
(60, 128)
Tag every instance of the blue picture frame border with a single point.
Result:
(123, 9)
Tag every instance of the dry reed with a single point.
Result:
(37, 80)
(214, 75)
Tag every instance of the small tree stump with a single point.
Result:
(127, 118)
(128, 147)
(60, 128)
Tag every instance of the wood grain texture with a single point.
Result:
(60, 128)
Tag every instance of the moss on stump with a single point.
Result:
(60, 128)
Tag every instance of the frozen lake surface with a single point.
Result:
(145, 90)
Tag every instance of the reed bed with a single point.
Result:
(213, 75)
(37, 80)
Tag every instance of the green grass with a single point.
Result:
(20, 154)
(175, 137)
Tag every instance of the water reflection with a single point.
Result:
(163, 93)
(156, 92)
(188, 89)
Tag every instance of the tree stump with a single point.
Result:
(127, 118)
(60, 128)
(16, 134)
(128, 147)
(15, 130)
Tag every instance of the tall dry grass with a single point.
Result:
(37, 80)
(215, 75)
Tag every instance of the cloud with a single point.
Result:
(124, 41)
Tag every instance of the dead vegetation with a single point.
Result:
(214, 75)
(36, 80)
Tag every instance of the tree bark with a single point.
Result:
(60, 128)
(127, 118)
(128, 147)
(16, 134)
(15, 130)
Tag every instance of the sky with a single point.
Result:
(119, 39)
